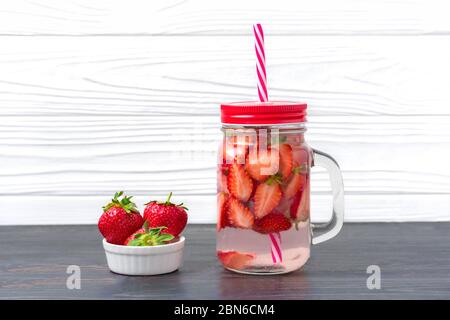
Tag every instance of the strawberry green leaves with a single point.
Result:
(124, 203)
(151, 237)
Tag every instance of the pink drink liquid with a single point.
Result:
(247, 247)
(294, 246)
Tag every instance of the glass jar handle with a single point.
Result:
(325, 231)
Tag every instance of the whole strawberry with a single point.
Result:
(172, 216)
(120, 219)
(271, 223)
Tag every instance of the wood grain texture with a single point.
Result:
(84, 116)
(86, 156)
(203, 17)
(33, 269)
(373, 76)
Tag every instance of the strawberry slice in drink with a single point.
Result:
(300, 205)
(284, 206)
(267, 196)
(239, 184)
(222, 218)
(273, 222)
(286, 160)
(239, 216)
(296, 182)
(235, 259)
(301, 156)
(294, 139)
(222, 177)
(262, 164)
(234, 149)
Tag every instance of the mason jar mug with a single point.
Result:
(263, 189)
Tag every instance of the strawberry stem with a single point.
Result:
(302, 169)
(167, 202)
(275, 178)
(168, 199)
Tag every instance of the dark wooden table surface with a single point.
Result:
(414, 259)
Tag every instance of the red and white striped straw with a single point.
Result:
(260, 63)
(275, 247)
(275, 238)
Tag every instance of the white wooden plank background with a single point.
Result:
(97, 96)
(203, 17)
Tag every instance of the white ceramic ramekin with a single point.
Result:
(144, 261)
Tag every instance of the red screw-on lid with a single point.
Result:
(273, 112)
